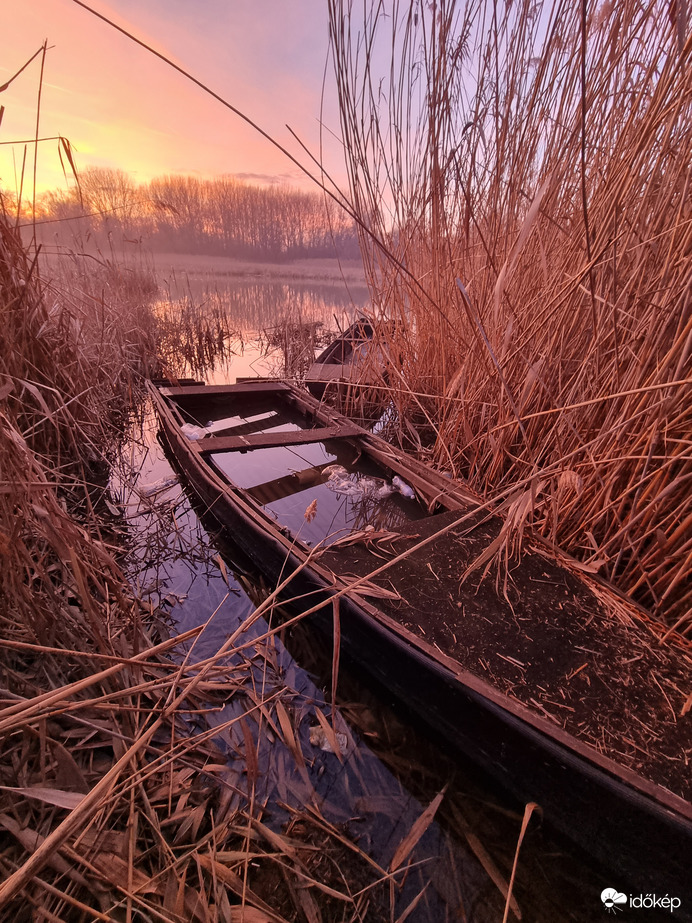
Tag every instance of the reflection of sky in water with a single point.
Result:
(248, 308)
(257, 305)
(178, 569)
(250, 469)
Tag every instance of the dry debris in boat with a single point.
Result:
(590, 664)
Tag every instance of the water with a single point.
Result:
(248, 308)
(390, 768)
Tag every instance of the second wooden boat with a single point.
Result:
(353, 358)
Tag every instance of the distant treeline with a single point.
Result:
(183, 214)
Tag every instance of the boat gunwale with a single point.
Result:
(658, 799)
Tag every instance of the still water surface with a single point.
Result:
(252, 312)
(392, 769)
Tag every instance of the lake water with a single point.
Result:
(391, 769)
(255, 311)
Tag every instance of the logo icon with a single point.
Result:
(612, 899)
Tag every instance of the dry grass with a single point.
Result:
(193, 334)
(74, 347)
(540, 157)
(119, 797)
(296, 342)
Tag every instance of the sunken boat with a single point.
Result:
(556, 686)
(348, 360)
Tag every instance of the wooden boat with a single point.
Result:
(347, 360)
(556, 687)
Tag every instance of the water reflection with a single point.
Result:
(223, 327)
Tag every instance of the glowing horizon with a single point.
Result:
(120, 107)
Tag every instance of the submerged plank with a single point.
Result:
(286, 486)
(269, 440)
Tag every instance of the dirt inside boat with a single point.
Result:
(574, 653)
(553, 639)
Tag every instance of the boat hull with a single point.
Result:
(630, 828)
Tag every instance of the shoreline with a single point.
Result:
(327, 270)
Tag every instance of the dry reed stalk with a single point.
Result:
(73, 350)
(546, 167)
(191, 334)
(117, 799)
(143, 807)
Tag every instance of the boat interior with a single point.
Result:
(316, 481)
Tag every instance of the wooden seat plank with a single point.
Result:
(271, 440)
(212, 390)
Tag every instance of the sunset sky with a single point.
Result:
(119, 106)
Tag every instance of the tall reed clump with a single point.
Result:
(193, 334)
(64, 610)
(525, 170)
(76, 339)
(68, 366)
